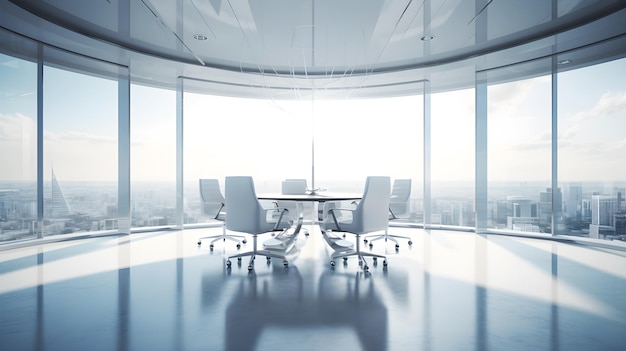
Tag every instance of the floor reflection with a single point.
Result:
(451, 291)
(281, 300)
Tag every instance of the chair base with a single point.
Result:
(239, 239)
(267, 253)
(360, 255)
(386, 237)
(345, 253)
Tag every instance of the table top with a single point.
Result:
(326, 196)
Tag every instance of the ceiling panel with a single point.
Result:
(293, 46)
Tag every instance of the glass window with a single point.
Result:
(362, 137)
(520, 155)
(223, 136)
(18, 148)
(592, 151)
(153, 156)
(80, 152)
(452, 158)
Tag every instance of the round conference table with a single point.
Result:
(299, 199)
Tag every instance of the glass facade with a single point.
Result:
(452, 158)
(224, 136)
(336, 142)
(353, 140)
(153, 156)
(80, 158)
(18, 148)
(592, 150)
(519, 155)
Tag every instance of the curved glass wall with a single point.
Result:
(153, 156)
(592, 151)
(18, 148)
(224, 136)
(452, 158)
(368, 137)
(80, 158)
(345, 141)
(334, 143)
(519, 125)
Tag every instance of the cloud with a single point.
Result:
(569, 133)
(609, 103)
(13, 128)
(535, 144)
(506, 98)
(77, 138)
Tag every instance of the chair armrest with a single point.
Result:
(392, 215)
(217, 215)
(281, 214)
(332, 211)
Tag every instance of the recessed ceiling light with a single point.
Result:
(199, 37)
(427, 37)
(565, 62)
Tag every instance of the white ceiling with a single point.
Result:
(337, 48)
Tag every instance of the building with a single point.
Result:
(574, 201)
(602, 216)
(59, 207)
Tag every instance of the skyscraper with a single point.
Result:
(58, 204)
(602, 211)
(574, 201)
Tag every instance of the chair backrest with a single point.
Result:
(211, 197)
(373, 209)
(294, 186)
(244, 209)
(400, 193)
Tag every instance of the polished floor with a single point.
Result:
(448, 291)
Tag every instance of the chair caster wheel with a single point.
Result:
(410, 242)
(371, 245)
(345, 259)
(239, 259)
(375, 259)
(228, 263)
(199, 243)
(397, 246)
(244, 241)
(238, 246)
(365, 241)
(268, 258)
(211, 246)
(366, 268)
(250, 267)
(385, 263)
(332, 263)
(285, 263)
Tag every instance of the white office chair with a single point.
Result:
(213, 204)
(398, 207)
(370, 215)
(246, 215)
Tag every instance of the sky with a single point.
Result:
(352, 139)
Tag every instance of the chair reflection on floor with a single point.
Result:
(281, 301)
(398, 207)
(245, 214)
(213, 204)
(370, 215)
